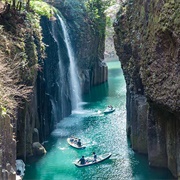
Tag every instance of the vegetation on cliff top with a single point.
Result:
(20, 47)
(102, 14)
(96, 10)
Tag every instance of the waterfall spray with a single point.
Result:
(58, 103)
(74, 82)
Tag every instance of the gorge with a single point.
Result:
(147, 44)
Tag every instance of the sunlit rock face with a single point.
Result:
(147, 41)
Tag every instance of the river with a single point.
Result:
(102, 133)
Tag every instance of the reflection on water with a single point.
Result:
(102, 134)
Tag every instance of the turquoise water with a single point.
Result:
(102, 134)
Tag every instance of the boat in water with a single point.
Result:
(73, 142)
(90, 161)
(109, 109)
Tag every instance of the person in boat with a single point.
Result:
(82, 160)
(79, 142)
(94, 157)
(110, 107)
(73, 139)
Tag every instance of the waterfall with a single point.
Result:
(74, 82)
(59, 102)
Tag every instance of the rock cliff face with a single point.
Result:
(8, 149)
(52, 87)
(147, 41)
(20, 49)
(27, 121)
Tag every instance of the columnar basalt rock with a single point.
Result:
(147, 41)
(99, 73)
(7, 149)
(138, 123)
(52, 82)
(157, 154)
(27, 121)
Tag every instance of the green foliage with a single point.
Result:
(42, 8)
(96, 10)
(101, 5)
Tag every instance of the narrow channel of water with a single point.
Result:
(102, 133)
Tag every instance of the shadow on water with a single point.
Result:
(94, 94)
(142, 165)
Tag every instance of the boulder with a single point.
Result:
(38, 149)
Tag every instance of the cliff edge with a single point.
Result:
(147, 41)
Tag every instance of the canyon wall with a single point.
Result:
(32, 88)
(21, 47)
(147, 41)
(8, 149)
